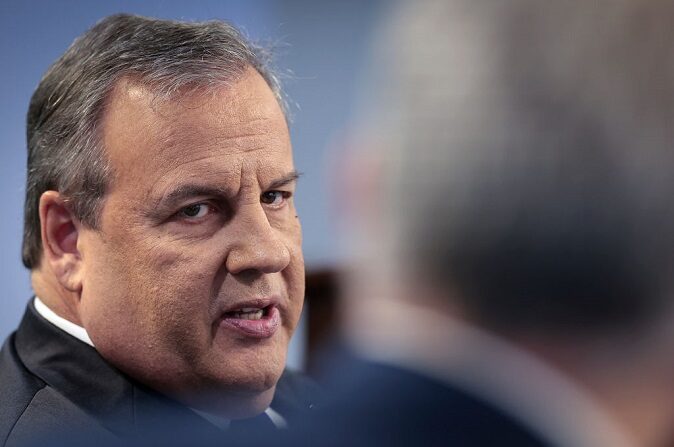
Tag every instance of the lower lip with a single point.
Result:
(262, 328)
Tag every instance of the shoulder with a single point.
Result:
(29, 406)
(383, 404)
(18, 388)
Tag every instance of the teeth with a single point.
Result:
(249, 314)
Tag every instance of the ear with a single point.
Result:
(60, 232)
(357, 187)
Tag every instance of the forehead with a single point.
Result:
(207, 131)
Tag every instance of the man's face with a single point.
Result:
(195, 280)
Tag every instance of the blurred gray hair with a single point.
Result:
(530, 158)
(64, 149)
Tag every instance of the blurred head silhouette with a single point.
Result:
(520, 181)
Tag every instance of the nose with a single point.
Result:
(257, 246)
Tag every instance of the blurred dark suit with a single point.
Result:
(378, 404)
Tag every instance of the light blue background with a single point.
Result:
(323, 43)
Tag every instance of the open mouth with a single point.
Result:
(249, 313)
(255, 322)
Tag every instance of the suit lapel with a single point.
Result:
(81, 375)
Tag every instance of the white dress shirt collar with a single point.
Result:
(223, 424)
(66, 326)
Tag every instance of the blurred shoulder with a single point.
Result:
(296, 391)
(379, 404)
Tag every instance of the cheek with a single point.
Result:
(167, 261)
(153, 310)
(148, 285)
(177, 284)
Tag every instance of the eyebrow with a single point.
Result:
(292, 176)
(184, 192)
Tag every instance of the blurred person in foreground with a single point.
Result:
(162, 240)
(514, 226)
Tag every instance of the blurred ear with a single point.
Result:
(60, 232)
(355, 182)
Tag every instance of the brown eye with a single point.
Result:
(195, 211)
(275, 198)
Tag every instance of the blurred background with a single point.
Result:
(320, 46)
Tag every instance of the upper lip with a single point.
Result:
(256, 303)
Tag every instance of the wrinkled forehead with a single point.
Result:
(141, 128)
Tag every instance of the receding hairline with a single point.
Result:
(135, 85)
(130, 94)
(131, 89)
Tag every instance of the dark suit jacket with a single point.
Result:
(373, 404)
(54, 386)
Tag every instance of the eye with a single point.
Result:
(195, 211)
(275, 198)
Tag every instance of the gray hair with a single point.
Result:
(529, 156)
(65, 153)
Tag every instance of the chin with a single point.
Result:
(251, 369)
(255, 381)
